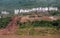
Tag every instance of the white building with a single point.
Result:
(4, 12)
(25, 11)
(16, 11)
(40, 9)
(34, 9)
(43, 9)
(21, 10)
(53, 8)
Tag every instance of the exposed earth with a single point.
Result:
(11, 27)
(9, 31)
(29, 36)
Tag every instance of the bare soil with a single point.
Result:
(29, 36)
(11, 27)
(8, 32)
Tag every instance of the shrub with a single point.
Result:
(41, 23)
(57, 24)
(4, 22)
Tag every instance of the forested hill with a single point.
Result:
(12, 4)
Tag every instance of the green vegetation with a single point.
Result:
(56, 13)
(37, 31)
(42, 27)
(13, 4)
(4, 22)
(42, 23)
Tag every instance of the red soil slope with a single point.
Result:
(11, 27)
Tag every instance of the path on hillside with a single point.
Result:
(11, 27)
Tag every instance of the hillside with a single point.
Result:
(12, 4)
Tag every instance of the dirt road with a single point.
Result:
(11, 27)
(29, 36)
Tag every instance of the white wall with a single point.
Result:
(4, 12)
(16, 11)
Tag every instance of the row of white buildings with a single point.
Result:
(40, 9)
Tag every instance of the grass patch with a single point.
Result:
(37, 31)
